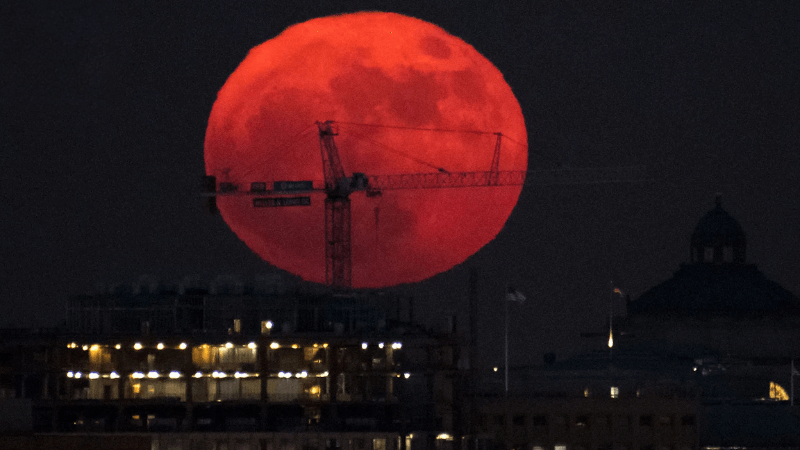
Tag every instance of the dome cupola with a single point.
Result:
(718, 238)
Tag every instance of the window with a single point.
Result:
(540, 421)
(777, 392)
(519, 420)
(665, 421)
(582, 421)
(560, 447)
(500, 420)
(645, 421)
(687, 420)
(614, 392)
(727, 253)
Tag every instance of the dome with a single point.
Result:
(718, 238)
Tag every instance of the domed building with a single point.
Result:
(718, 282)
(739, 327)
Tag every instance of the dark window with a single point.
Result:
(519, 420)
(540, 421)
(500, 420)
(687, 420)
(582, 421)
(646, 421)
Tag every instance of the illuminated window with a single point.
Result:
(266, 326)
(237, 325)
(560, 447)
(614, 392)
(777, 392)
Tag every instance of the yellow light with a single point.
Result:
(137, 346)
(251, 345)
(314, 390)
(182, 346)
(77, 374)
(198, 375)
(152, 374)
(137, 375)
(364, 345)
(70, 374)
(85, 347)
(406, 375)
(494, 369)
(160, 346)
(325, 345)
(94, 347)
(295, 346)
(269, 324)
(777, 392)
(114, 375)
(444, 437)
(397, 345)
(614, 392)
(274, 345)
(136, 388)
(228, 345)
(174, 374)
(118, 346)
(94, 375)
(380, 345)
(610, 340)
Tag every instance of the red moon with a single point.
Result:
(374, 68)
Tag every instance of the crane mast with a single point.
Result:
(338, 248)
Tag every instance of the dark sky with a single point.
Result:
(104, 109)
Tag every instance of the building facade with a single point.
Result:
(298, 369)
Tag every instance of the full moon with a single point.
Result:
(407, 97)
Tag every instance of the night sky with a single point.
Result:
(105, 106)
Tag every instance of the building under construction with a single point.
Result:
(250, 366)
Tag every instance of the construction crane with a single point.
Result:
(338, 187)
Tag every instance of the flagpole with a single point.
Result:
(505, 300)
